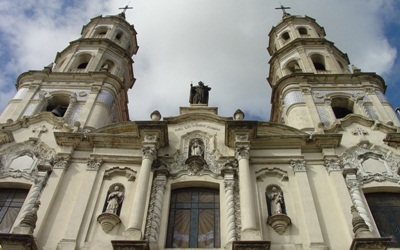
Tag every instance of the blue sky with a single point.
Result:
(220, 42)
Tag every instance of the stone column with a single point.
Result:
(229, 180)
(31, 203)
(139, 201)
(155, 210)
(249, 225)
(313, 228)
(356, 196)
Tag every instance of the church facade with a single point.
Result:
(76, 173)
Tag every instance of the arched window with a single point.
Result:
(108, 66)
(194, 218)
(58, 105)
(303, 32)
(319, 62)
(11, 201)
(385, 208)
(341, 107)
(293, 67)
(81, 62)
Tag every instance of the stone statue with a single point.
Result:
(199, 93)
(276, 201)
(196, 148)
(114, 200)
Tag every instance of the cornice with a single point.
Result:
(362, 120)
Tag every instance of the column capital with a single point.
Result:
(298, 165)
(149, 153)
(94, 164)
(332, 165)
(242, 153)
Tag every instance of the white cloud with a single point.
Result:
(220, 42)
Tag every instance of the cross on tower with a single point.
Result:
(283, 8)
(125, 8)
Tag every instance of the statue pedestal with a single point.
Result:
(251, 245)
(108, 221)
(279, 222)
(130, 245)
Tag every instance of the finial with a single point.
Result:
(283, 8)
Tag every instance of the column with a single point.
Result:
(155, 210)
(139, 201)
(249, 225)
(310, 214)
(229, 180)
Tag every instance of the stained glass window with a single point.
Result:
(385, 208)
(194, 219)
(11, 201)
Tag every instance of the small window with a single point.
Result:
(119, 36)
(286, 36)
(81, 63)
(11, 201)
(293, 67)
(385, 208)
(319, 62)
(342, 107)
(194, 219)
(303, 31)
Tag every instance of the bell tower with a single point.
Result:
(87, 84)
(312, 86)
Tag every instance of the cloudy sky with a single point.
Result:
(220, 42)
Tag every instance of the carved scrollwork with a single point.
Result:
(149, 153)
(243, 153)
(61, 161)
(332, 165)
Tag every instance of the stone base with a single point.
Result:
(130, 245)
(370, 243)
(18, 242)
(251, 245)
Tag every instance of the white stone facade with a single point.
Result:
(104, 182)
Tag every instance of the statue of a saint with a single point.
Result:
(114, 199)
(196, 149)
(199, 93)
(276, 201)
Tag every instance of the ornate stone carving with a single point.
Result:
(184, 165)
(277, 172)
(277, 217)
(279, 222)
(29, 221)
(36, 150)
(149, 153)
(115, 198)
(298, 165)
(61, 161)
(242, 153)
(196, 148)
(94, 164)
(372, 164)
(115, 171)
(39, 129)
(332, 165)
(155, 207)
(229, 181)
(150, 138)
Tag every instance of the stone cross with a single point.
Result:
(283, 8)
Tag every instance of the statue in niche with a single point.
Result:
(196, 148)
(199, 93)
(275, 201)
(114, 200)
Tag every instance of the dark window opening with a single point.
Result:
(385, 208)
(286, 36)
(194, 219)
(118, 36)
(319, 66)
(302, 31)
(83, 65)
(57, 110)
(341, 107)
(11, 201)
